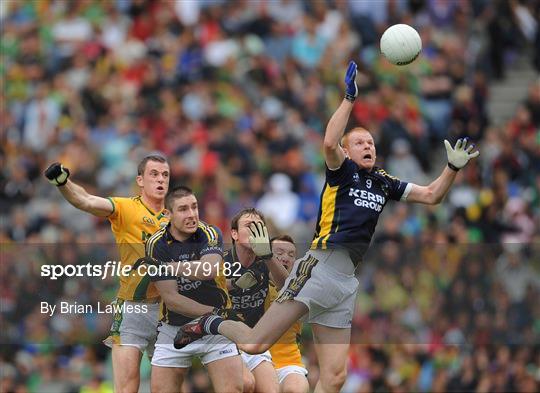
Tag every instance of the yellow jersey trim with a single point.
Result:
(151, 242)
(328, 210)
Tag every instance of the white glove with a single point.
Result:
(459, 156)
(259, 240)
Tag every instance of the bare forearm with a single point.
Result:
(337, 123)
(78, 197)
(435, 192)
(440, 186)
(278, 272)
(178, 303)
(183, 305)
(74, 194)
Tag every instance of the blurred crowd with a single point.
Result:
(237, 94)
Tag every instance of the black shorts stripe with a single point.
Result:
(303, 273)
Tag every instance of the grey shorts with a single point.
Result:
(208, 349)
(134, 324)
(324, 281)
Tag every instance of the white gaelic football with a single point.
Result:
(401, 44)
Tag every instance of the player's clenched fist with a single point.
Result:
(57, 174)
(351, 91)
(460, 155)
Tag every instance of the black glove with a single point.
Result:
(57, 174)
(229, 313)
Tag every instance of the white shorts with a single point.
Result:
(135, 325)
(324, 281)
(282, 372)
(208, 349)
(252, 361)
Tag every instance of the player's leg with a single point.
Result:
(274, 322)
(264, 373)
(222, 359)
(332, 348)
(170, 365)
(226, 374)
(167, 379)
(248, 378)
(130, 335)
(265, 378)
(294, 383)
(126, 362)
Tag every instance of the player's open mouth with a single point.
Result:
(367, 157)
(160, 188)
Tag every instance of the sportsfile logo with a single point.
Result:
(116, 268)
(109, 269)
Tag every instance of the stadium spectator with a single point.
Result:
(101, 84)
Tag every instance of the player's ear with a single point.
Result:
(139, 180)
(234, 234)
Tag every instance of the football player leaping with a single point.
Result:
(322, 284)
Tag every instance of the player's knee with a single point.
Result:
(249, 383)
(126, 380)
(332, 380)
(295, 384)
(235, 385)
(128, 387)
(255, 349)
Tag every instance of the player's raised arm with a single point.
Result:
(259, 242)
(434, 193)
(333, 153)
(75, 194)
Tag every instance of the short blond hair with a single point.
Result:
(345, 137)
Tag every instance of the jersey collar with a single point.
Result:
(160, 215)
(171, 239)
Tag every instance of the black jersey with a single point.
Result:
(351, 201)
(208, 239)
(251, 302)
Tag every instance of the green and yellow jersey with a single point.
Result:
(132, 223)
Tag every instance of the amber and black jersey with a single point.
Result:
(351, 201)
(206, 240)
(251, 302)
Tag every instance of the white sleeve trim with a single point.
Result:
(406, 192)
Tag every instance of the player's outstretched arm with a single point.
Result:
(458, 157)
(333, 153)
(75, 194)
